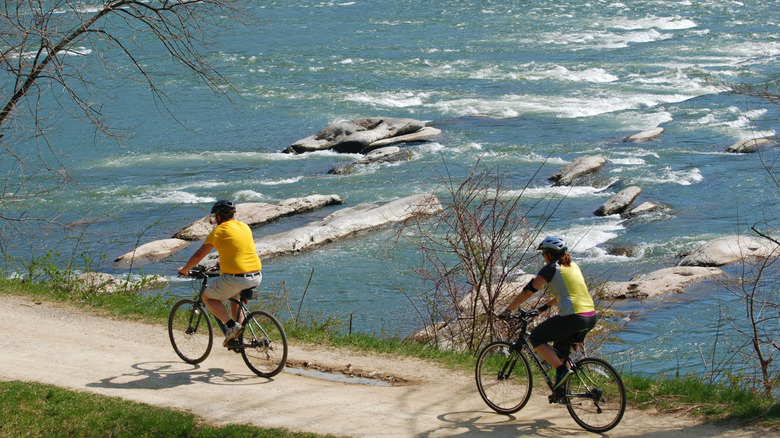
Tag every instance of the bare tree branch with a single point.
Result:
(42, 59)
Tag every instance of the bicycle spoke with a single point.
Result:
(190, 332)
(503, 378)
(264, 344)
(596, 396)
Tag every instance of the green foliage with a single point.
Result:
(40, 410)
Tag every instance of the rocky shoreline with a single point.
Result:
(376, 137)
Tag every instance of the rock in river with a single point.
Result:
(342, 224)
(619, 203)
(363, 135)
(576, 169)
(730, 249)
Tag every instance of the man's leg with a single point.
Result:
(236, 317)
(217, 308)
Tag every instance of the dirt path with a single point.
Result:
(64, 346)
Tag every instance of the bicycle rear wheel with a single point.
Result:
(596, 396)
(189, 329)
(263, 344)
(503, 377)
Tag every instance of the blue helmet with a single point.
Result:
(553, 244)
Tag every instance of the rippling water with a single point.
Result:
(518, 84)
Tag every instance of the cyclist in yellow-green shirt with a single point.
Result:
(238, 261)
(576, 310)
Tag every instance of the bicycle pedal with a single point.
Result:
(557, 397)
(234, 346)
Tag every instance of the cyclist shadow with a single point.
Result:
(468, 423)
(160, 375)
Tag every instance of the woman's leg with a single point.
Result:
(549, 354)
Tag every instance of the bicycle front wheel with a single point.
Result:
(263, 344)
(596, 396)
(189, 329)
(503, 377)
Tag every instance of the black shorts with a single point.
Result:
(559, 329)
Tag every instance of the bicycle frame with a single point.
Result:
(242, 310)
(522, 344)
(504, 377)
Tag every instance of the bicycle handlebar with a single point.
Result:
(201, 272)
(523, 314)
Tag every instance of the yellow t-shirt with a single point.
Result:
(236, 247)
(567, 285)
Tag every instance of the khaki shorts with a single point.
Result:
(227, 285)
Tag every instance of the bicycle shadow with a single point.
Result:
(469, 423)
(477, 422)
(162, 375)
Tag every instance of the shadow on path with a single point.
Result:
(161, 375)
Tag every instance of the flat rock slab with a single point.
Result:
(423, 134)
(577, 169)
(252, 213)
(259, 213)
(150, 252)
(730, 249)
(363, 135)
(342, 224)
(663, 281)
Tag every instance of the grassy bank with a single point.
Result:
(39, 410)
(688, 395)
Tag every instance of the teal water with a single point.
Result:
(518, 85)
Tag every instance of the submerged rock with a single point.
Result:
(388, 154)
(648, 135)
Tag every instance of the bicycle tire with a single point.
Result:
(503, 377)
(190, 331)
(596, 397)
(263, 344)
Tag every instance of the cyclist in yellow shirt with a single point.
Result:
(576, 310)
(238, 261)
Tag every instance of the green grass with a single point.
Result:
(695, 397)
(40, 410)
(714, 402)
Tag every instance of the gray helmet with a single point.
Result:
(223, 208)
(553, 244)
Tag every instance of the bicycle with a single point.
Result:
(263, 343)
(594, 395)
